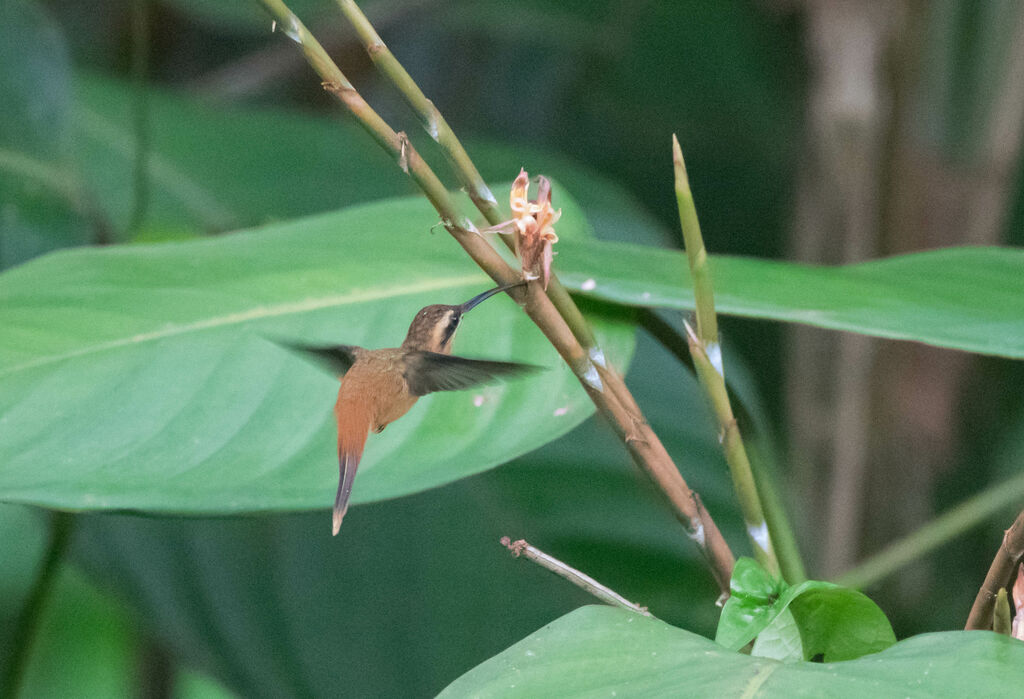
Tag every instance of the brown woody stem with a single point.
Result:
(469, 177)
(1010, 552)
(604, 386)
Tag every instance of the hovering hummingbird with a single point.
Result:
(381, 385)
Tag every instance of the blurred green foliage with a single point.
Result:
(418, 590)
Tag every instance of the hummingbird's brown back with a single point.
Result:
(379, 386)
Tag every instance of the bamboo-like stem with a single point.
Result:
(1010, 552)
(576, 577)
(944, 528)
(479, 193)
(735, 456)
(707, 359)
(396, 143)
(696, 256)
(779, 525)
(791, 563)
(604, 387)
(433, 121)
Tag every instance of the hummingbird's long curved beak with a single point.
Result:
(473, 302)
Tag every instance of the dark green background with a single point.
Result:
(417, 591)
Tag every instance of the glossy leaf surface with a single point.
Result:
(140, 377)
(578, 498)
(595, 651)
(962, 298)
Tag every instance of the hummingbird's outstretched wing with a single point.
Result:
(337, 359)
(427, 372)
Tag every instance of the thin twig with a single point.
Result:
(1010, 552)
(602, 384)
(581, 580)
(707, 359)
(28, 620)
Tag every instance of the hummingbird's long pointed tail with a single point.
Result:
(353, 427)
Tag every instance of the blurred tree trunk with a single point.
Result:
(892, 167)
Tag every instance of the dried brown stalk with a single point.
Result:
(1010, 552)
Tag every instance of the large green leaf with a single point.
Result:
(139, 377)
(577, 498)
(963, 298)
(597, 651)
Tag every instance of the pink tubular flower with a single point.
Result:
(534, 221)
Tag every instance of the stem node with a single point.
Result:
(554, 312)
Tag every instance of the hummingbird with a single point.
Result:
(378, 386)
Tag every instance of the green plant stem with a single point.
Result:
(480, 194)
(604, 387)
(696, 255)
(576, 577)
(28, 620)
(333, 79)
(736, 457)
(397, 144)
(676, 343)
(783, 538)
(939, 531)
(707, 359)
(433, 121)
(779, 525)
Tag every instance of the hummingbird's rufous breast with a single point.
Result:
(381, 385)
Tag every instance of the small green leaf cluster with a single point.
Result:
(811, 620)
